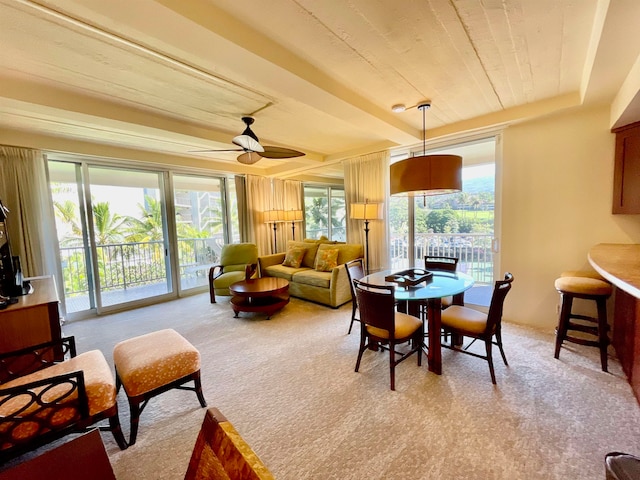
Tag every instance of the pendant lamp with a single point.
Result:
(426, 175)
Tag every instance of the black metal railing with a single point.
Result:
(125, 265)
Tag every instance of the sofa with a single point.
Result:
(315, 269)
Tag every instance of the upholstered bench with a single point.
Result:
(154, 363)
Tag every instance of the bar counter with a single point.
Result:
(620, 265)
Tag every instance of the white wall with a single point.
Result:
(557, 181)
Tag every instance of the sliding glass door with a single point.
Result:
(112, 233)
(200, 226)
(129, 235)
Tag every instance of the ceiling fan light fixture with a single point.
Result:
(249, 158)
(248, 143)
(398, 108)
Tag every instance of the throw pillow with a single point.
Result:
(294, 257)
(327, 260)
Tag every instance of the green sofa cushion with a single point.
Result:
(346, 251)
(310, 253)
(281, 271)
(314, 278)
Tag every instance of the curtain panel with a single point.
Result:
(366, 178)
(24, 190)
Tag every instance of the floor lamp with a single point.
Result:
(274, 216)
(366, 211)
(293, 216)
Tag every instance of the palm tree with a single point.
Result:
(149, 227)
(108, 227)
(66, 212)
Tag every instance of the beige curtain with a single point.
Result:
(287, 195)
(241, 199)
(259, 199)
(367, 178)
(24, 191)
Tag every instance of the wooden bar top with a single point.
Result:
(619, 263)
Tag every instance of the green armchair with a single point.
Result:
(238, 261)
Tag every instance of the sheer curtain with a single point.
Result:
(259, 199)
(24, 191)
(241, 198)
(367, 178)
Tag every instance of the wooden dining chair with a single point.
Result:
(463, 321)
(447, 264)
(381, 326)
(355, 271)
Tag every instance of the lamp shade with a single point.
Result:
(367, 211)
(426, 175)
(273, 216)
(293, 215)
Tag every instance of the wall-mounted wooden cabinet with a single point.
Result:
(626, 176)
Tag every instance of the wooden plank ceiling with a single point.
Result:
(172, 76)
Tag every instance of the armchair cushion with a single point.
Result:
(238, 255)
(223, 281)
(234, 259)
(98, 379)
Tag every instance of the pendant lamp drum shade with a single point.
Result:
(426, 175)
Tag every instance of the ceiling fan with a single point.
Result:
(253, 150)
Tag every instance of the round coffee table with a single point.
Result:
(263, 295)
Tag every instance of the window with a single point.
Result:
(325, 212)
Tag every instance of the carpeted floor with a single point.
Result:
(288, 386)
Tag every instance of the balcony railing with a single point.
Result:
(125, 265)
(473, 251)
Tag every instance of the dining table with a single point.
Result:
(437, 285)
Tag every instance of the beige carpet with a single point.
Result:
(289, 388)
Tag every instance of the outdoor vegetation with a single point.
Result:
(130, 249)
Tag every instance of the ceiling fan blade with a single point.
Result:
(223, 150)
(280, 152)
(248, 144)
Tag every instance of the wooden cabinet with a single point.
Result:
(626, 337)
(34, 319)
(620, 264)
(626, 175)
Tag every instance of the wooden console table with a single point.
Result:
(620, 264)
(34, 319)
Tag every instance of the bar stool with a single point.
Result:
(588, 288)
